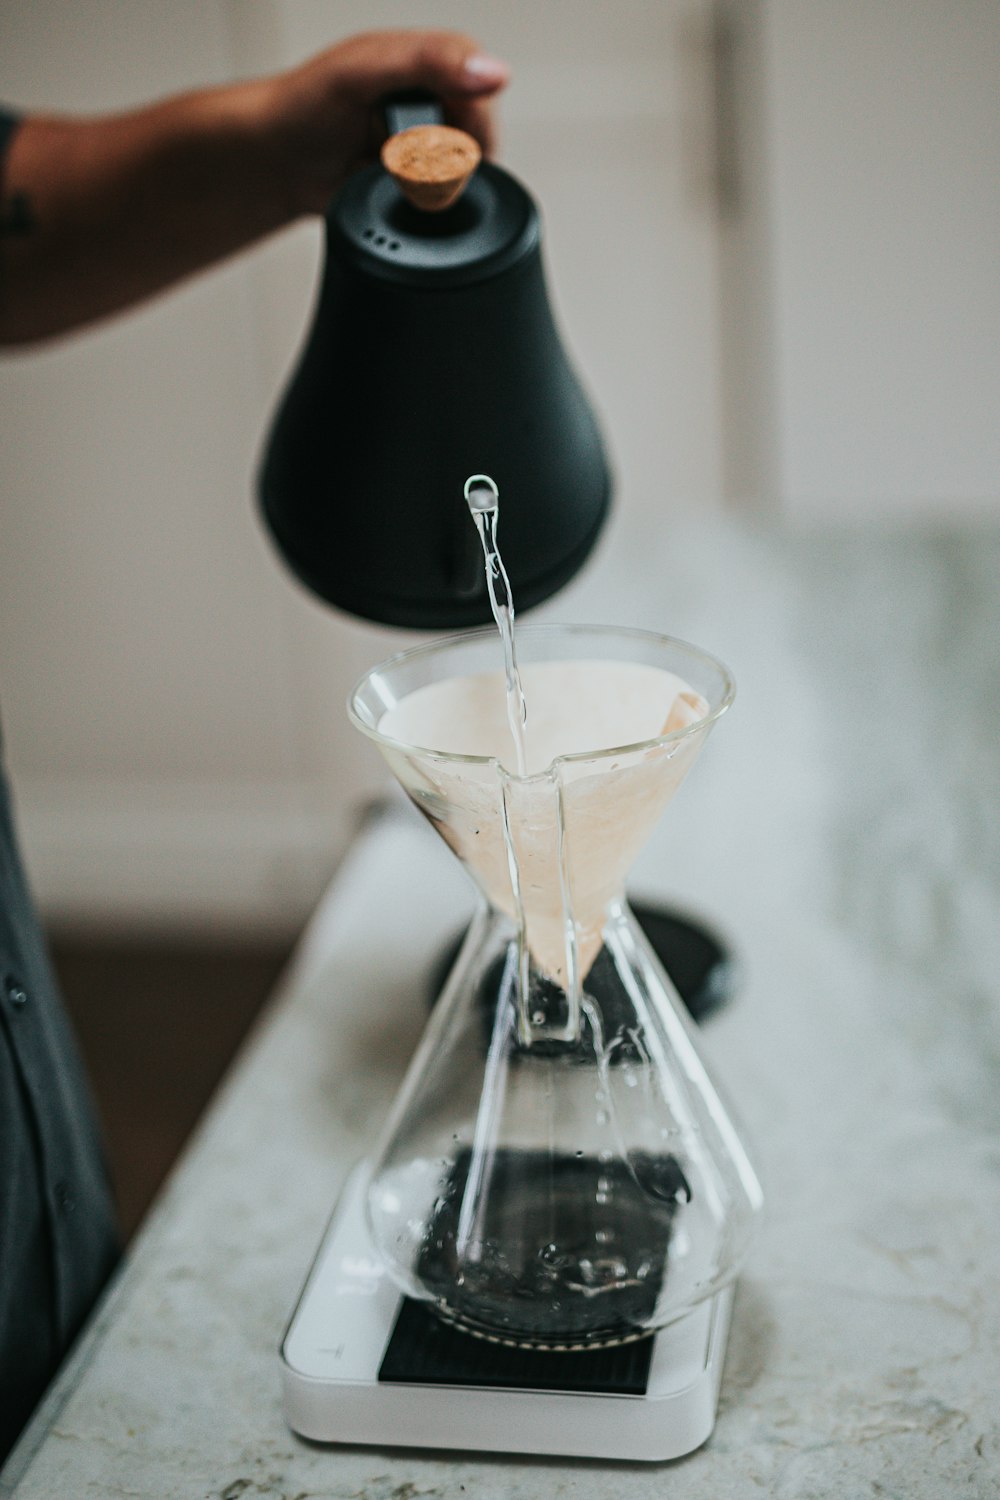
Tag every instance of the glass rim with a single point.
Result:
(445, 643)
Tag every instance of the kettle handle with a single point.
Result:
(411, 107)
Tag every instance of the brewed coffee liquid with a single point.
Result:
(533, 1270)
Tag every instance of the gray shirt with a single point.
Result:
(58, 1237)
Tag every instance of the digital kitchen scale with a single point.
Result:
(362, 1363)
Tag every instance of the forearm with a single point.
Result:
(108, 211)
(97, 215)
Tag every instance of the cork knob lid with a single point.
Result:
(431, 164)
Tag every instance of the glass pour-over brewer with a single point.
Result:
(559, 1171)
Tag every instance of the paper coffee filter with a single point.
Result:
(576, 824)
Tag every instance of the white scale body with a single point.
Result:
(338, 1334)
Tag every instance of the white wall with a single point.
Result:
(172, 702)
(861, 268)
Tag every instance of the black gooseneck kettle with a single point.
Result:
(433, 355)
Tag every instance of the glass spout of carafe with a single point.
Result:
(558, 1170)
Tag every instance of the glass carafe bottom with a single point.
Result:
(554, 1192)
(571, 1255)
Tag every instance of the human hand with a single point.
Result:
(122, 206)
(322, 118)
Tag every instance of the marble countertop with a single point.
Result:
(843, 830)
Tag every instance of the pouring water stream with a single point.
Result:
(483, 499)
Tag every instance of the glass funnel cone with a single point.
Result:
(558, 1170)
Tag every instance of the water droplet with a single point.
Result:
(551, 1256)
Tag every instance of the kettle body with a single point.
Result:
(433, 355)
